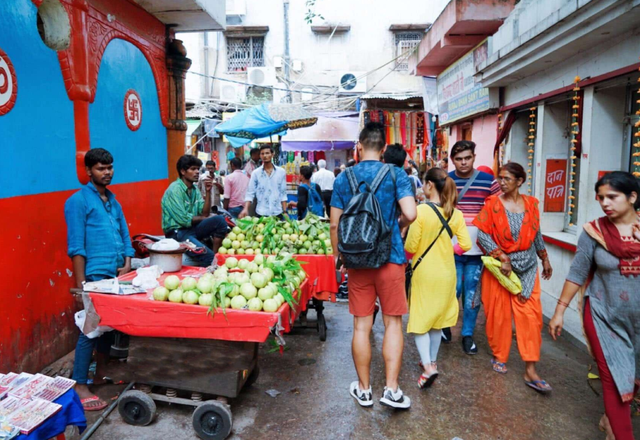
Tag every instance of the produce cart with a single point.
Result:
(321, 276)
(181, 355)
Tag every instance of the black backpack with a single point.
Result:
(364, 238)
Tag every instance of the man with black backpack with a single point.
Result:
(365, 234)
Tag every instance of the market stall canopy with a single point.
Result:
(263, 121)
(334, 131)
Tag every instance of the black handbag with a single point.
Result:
(408, 273)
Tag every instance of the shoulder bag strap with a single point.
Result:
(466, 187)
(445, 225)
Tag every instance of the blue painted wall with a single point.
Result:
(37, 141)
(138, 155)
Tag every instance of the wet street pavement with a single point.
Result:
(468, 401)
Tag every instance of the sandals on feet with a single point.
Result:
(539, 385)
(93, 403)
(499, 367)
(426, 381)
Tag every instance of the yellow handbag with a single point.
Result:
(511, 283)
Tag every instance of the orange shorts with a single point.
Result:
(386, 283)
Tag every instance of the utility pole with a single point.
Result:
(287, 57)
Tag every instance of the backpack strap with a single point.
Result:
(353, 183)
(380, 177)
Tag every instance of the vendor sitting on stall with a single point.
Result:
(99, 246)
(186, 215)
(269, 185)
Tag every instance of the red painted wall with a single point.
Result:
(36, 317)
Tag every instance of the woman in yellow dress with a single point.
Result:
(432, 302)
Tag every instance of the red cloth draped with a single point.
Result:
(626, 249)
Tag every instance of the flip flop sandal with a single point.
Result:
(90, 400)
(539, 385)
(426, 381)
(499, 367)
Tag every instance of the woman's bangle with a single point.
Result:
(562, 303)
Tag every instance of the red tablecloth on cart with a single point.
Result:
(137, 315)
(321, 270)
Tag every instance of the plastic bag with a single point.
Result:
(147, 277)
(80, 318)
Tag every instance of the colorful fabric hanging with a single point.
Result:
(403, 129)
(367, 118)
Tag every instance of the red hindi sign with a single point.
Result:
(555, 185)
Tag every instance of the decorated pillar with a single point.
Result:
(177, 66)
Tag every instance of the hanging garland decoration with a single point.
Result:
(502, 149)
(635, 169)
(575, 130)
(531, 142)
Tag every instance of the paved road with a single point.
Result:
(469, 400)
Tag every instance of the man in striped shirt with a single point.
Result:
(469, 265)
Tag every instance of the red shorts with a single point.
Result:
(386, 283)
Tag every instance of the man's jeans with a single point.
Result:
(215, 226)
(468, 270)
(85, 347)
(235, 212)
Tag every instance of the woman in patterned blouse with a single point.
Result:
(509, 230)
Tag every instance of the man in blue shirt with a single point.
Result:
(269, 185)
(99, 247)
(385, 282)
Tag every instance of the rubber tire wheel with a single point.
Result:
(322, 327)
(212, 420)
(137, 408)
(253, 377)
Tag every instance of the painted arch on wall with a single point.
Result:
(139, 155)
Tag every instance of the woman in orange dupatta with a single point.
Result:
(509, 230)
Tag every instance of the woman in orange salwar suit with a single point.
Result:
(509, 230)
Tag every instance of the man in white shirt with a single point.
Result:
(324, 178)
(269, 185)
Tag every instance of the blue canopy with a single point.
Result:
(263, 121)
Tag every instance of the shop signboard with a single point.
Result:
(459, 95)
(555, 185)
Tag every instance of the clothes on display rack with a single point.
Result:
(408, 128)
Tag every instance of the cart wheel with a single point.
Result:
(137, 408)
(212, 421)
(253, 376)
(322, 327)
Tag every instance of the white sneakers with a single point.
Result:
(363, 397)
(393, 399)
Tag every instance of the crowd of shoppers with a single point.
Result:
(468, 220)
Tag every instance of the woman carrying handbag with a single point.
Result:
(432, 302)
(509, 231)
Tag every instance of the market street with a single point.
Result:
(469, 400)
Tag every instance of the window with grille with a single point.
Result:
(244, 52)
(405, 42)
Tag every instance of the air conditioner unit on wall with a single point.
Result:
(261, 76)
(232, 92)
(353, 82)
